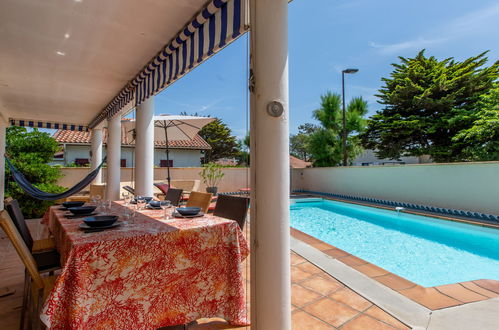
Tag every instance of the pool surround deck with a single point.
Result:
(433, 298)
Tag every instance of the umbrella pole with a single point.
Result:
(167, 157)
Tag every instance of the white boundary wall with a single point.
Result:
(465, 186)
(235, 177)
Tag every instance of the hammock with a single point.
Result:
(45, 196)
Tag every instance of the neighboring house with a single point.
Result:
(368, 158)
(76, 150)
(295, 162)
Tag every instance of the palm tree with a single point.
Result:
(325, 144)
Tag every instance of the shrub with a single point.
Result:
(30, 153)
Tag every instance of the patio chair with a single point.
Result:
(129, 189)
(40, 286)
(46, 257)
(95, 189)
(199, 199)
(233, 208)
(174, 195)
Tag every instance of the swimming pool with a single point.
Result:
(424, 250)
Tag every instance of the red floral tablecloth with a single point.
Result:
(148, 274)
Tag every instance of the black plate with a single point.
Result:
(82, 209)
(149, 206)
(73, 204)
(134, 200)
(178, 215)
(78, 216)
(100, 221)
(86, 227)
(188, 210)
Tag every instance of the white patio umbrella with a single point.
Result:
(170, 128)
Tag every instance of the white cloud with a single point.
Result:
(189, 107)
(418, 44)
(478, 22)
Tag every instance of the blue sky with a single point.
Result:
(326, 36)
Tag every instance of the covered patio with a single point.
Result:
(83, 65)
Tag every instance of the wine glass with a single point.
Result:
(164, 206)
(127, 197)
(141, 202)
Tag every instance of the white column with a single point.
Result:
(97, 153)
(3, 127)
(144, 148)
(270, 254)
(113, 158)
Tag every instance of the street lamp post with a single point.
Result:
(345, 154)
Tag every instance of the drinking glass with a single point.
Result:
(96, 200)
(106, 205)
(129, 215)
(164, 206)
(141, 202)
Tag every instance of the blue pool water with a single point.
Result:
(424, 250)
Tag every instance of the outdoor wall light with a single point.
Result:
(275, 108)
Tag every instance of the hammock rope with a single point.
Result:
(34, 192)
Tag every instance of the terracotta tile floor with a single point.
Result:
(318, 300)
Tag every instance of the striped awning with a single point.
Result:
(47, 124)
(216, 26)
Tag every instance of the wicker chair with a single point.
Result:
(40, 286)
(199, 199)
(174, 195)
(233, 208)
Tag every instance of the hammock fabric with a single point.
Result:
(42, 195)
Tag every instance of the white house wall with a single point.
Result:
(180, 157)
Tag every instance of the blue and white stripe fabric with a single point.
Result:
(220, 23)
(47, 124)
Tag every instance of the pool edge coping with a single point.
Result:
(405, 210)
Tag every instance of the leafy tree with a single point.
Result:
(30, 152)
(326, 142)
(427, 103)
(219, 137)
(243, 156)
(299, 144)
(482, 138)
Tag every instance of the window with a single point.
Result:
(123, 162)
(81, 161)
(163, 163)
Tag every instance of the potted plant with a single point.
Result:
(211, 174)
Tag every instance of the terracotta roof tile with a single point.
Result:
(298, 163)
(67, 136)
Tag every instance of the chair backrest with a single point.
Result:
(129, 189)
(173, 195)
(162, 186)
(233, 208)
(186, 185)
(24, 253)
(199, 199)
(98, 189)
(17, 217)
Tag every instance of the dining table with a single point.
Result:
(148, 272)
